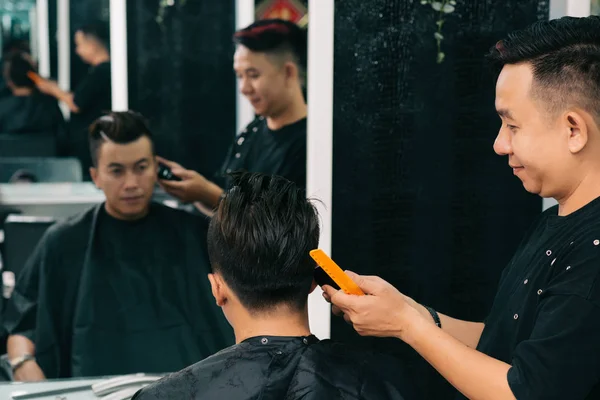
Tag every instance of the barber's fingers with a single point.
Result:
(373, 285)
(168, 163)
(336, 310)
(173, 186)
(347, 319)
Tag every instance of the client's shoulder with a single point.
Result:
(194, 380)
(368, 374)
(71, 228)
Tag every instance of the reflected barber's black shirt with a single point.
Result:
(545, 320)
(275, 152)
(93, 98)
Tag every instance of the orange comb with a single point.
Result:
(336, 273)
(34, 77)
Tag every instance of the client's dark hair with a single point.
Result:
(20, 45)
(99, 31)
(119, 127)
(565, 56)
(16, 67)
(276, 37)
(259, 240)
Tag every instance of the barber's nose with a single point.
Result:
(502, 144)
(245, 87)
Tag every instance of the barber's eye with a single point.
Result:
(116, 172)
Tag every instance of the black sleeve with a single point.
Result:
(560, 360)
(52, 328)
(94, 86)
(21, 309)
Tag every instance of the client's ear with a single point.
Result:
(218, 289)
(313, 286)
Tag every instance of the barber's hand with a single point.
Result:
(192, 186)
(47, 86)
(30, 371)
(384, 311)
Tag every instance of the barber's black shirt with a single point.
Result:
(275, 152)
(93, 98)
(545, 320)
(92, 95)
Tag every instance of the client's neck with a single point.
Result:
(279, 322)
(22, 91)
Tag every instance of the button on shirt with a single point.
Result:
(545, 321)
(275, 152)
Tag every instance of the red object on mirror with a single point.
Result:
(289, 10)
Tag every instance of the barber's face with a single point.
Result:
(85, 47)
(264, 83)
(126, 173)
(535, 142)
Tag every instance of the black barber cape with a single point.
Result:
(285, 368)
(119, 297)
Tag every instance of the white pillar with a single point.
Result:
(33, 38)
(244, 16)
(43, 41)
(572, 8)
(562, 8)
(63, 37)
(320, 140)
(118, 55)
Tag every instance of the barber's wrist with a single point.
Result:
(19, 362)
(211, 195)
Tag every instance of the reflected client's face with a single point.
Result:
(126, 173)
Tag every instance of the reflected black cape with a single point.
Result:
(85, 323)
(285, 368)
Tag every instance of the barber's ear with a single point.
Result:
(313, 286)
(291, 71)
(578, 131)
(217, 287)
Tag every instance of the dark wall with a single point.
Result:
(419, 196)
(181, 78)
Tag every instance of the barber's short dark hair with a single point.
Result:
(277, 37)
(98, 30)
(565, 56)
(259, 241)
(120, 127)
(16, 67)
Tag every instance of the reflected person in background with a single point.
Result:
(12, 46)
(259, 242)
(28, 110)
(270, 63)
(120, 288)
(92, 96)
